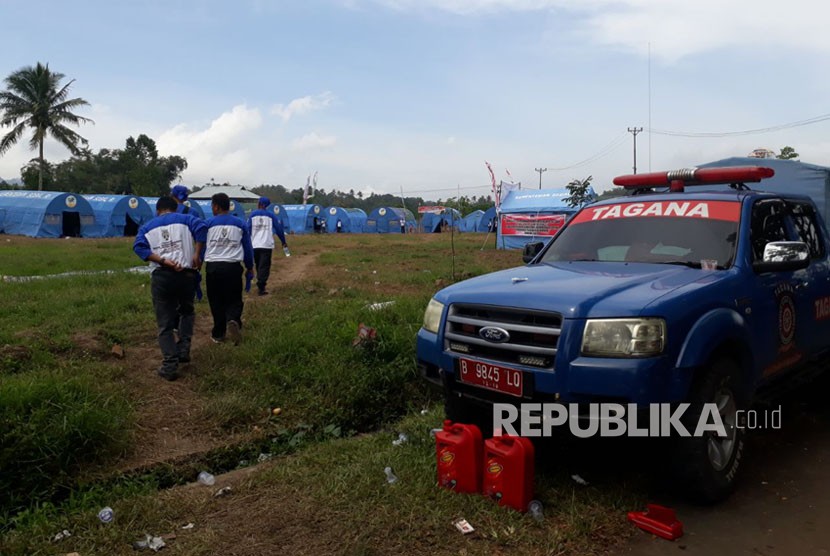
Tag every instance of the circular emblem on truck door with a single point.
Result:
(494, 334)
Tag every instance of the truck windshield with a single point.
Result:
(693, 233)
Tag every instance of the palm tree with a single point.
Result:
(34, 100)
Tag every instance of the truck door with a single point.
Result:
(781, 314)
(814, 281)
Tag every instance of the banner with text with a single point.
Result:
(432, 209)
(529, 225)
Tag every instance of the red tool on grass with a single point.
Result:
(658, 520)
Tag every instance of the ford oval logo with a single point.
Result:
(494, 334)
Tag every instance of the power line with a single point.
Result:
(634, 131)
(605, 151)
(779, 127)
(540, 170)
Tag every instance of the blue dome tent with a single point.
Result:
(488, 221)
(120, 215)
(387, 220)
(303, 217)
(47, 214)
(194, 206)
(432, 222)
(532, 215)
(470, 222)
(352, 219)
(791, 176)
(280, 212)
(236, 208)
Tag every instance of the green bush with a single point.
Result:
(50, 423)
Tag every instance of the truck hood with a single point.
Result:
(579, 289)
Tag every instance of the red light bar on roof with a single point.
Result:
(678, 179)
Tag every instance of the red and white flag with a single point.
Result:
(307, 190)
(496, 192)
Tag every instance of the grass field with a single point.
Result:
(81, 428)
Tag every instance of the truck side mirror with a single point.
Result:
(531, 250)
(782, 256)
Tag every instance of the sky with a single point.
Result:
(415, 95)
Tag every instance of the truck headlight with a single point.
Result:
(432, 316)
(624, 337)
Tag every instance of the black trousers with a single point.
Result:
(224, 293)
(173, 294)
(262, 264)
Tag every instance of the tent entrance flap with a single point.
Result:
(71, 224)
(130, 226)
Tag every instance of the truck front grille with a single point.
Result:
(533, 334)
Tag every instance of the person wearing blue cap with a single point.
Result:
(262, 225)
(180, 193)
(172, 244)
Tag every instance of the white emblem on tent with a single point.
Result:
(276, 210)
(71, 201)
(133, 202)
(233, 207)
(187, 203)
(382, 212)
(332, 211)
(316, 210)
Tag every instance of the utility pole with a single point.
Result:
(540, 170)
(634, 131)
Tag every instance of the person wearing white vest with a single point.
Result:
(262, 225)
(228, 249)
(172, 243)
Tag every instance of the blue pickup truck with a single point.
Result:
(668, 295)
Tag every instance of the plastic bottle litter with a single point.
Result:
(65, 534)
(153, 543)
(402, 438)
(536, 510)
(224, 491)
(579, 480)
(379, 306)
(391, 478)
(105, 515)
(286, 251)
(263, 457)
(206, 479)
(424, 411)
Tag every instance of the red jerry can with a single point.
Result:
(458, 450)
(509, 471)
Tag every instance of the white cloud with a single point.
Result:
(674, 29)
(313, 141)
(303, 105)
(223, 149)
(450, 140)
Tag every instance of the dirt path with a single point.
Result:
(168, 415)
(782, 503)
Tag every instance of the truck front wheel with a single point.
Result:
(706, 466)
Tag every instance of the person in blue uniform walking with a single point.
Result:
(228, 249)
(172, 242)
(263, 225)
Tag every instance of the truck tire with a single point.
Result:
(706, 467)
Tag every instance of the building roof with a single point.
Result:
(235, 192)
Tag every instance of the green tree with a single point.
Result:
(34, 99)
(579, 192)
(787, 153)
(35, 174)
